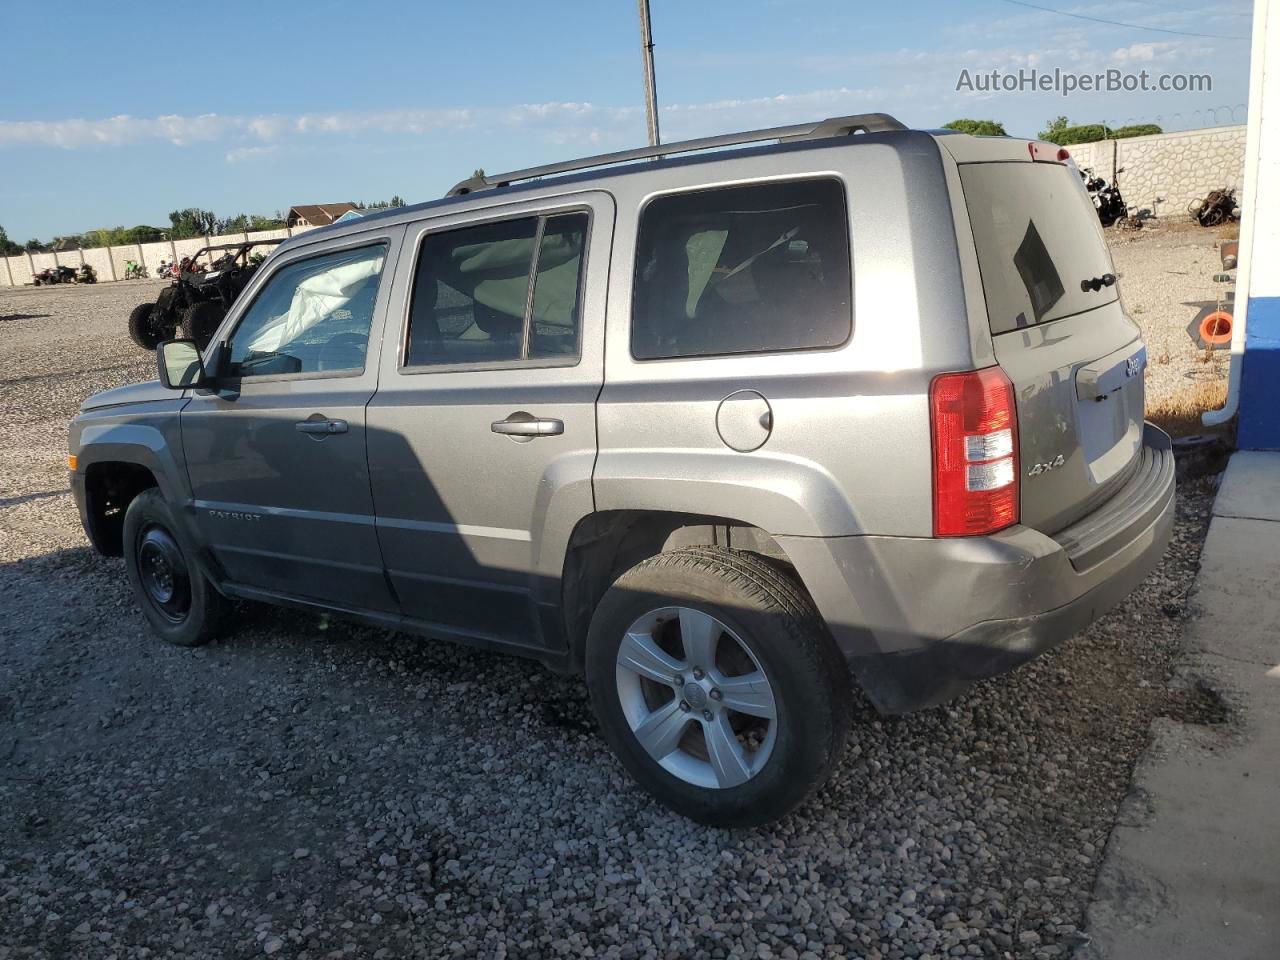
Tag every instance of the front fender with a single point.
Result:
(150, 438)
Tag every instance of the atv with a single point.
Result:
(54, 275)
(197, 300)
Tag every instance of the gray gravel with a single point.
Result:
(1166, 275)
(308, 788)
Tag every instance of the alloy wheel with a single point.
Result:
(696, 698)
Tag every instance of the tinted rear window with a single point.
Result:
(1038, 237)
(751, 269)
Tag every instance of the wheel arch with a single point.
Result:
(117, 461)
(607, 543)
(109, 487)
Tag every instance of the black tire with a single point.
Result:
(190, 611)
(201, 320)
(142, 330)
(776, 622)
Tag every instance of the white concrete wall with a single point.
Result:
(105, 259)
(100, 260)
(1167, 172)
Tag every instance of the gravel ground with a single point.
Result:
(307, 788)
(1166, 276)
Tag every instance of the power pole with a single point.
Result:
(650, 86)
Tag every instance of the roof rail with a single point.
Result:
(831, 127)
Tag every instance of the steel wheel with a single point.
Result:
(696, 698)
(163, 572)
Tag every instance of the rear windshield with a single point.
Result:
(1038, 237)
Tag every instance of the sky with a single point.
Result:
(122, 114)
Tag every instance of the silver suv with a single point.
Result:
(727, 425)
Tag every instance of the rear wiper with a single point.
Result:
(1097, 283)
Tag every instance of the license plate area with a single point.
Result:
(1109, 410)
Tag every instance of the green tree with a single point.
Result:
(978, 128)
(1136, 130)
(1054, 129)
(397, 200)
(102, 237)
(34, 246)
(7, 247)
(193, 222)
(1062, 132)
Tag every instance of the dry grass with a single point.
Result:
(1179, 416)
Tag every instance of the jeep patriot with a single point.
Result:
(729, 426)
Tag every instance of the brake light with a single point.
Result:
(975, 453)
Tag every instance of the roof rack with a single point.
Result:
(831, 127)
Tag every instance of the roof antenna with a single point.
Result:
(650, 85)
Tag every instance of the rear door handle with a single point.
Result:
(321, 426)
(525, 426)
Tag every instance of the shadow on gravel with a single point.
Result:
(28, 497)
(62, 375)
(6, 317)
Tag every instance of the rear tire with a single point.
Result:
(718, 765)
(181, 605)
(141, 329)
(200, 322)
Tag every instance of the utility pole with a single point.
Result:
(650, 87)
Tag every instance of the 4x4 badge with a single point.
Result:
(1053, 464)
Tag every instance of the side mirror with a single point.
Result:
(180, 365)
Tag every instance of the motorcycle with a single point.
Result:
(1106, 198)
(134, 270)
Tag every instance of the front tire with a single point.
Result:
(181, 605)
(200, 322)
(717, 685)
(142, 329)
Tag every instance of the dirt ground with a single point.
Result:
(310, 788)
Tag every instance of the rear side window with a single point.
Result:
(498, 292)
(753, 269)
(1038, 237)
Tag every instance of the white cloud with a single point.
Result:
(247, 154)
(117, 130)
(555, 122)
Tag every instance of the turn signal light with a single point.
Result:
(71, 462)
(975, 453)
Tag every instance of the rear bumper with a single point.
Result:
(921, 620)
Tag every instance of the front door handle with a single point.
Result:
(321, 426)
(525, 426)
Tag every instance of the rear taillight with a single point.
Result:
(975, 453)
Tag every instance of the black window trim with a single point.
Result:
(356, 243)
(500, 215)
(812, 177)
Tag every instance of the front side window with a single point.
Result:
(751, 269)
(499, 292)
(312, 316)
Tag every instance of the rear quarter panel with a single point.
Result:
(850, 448)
